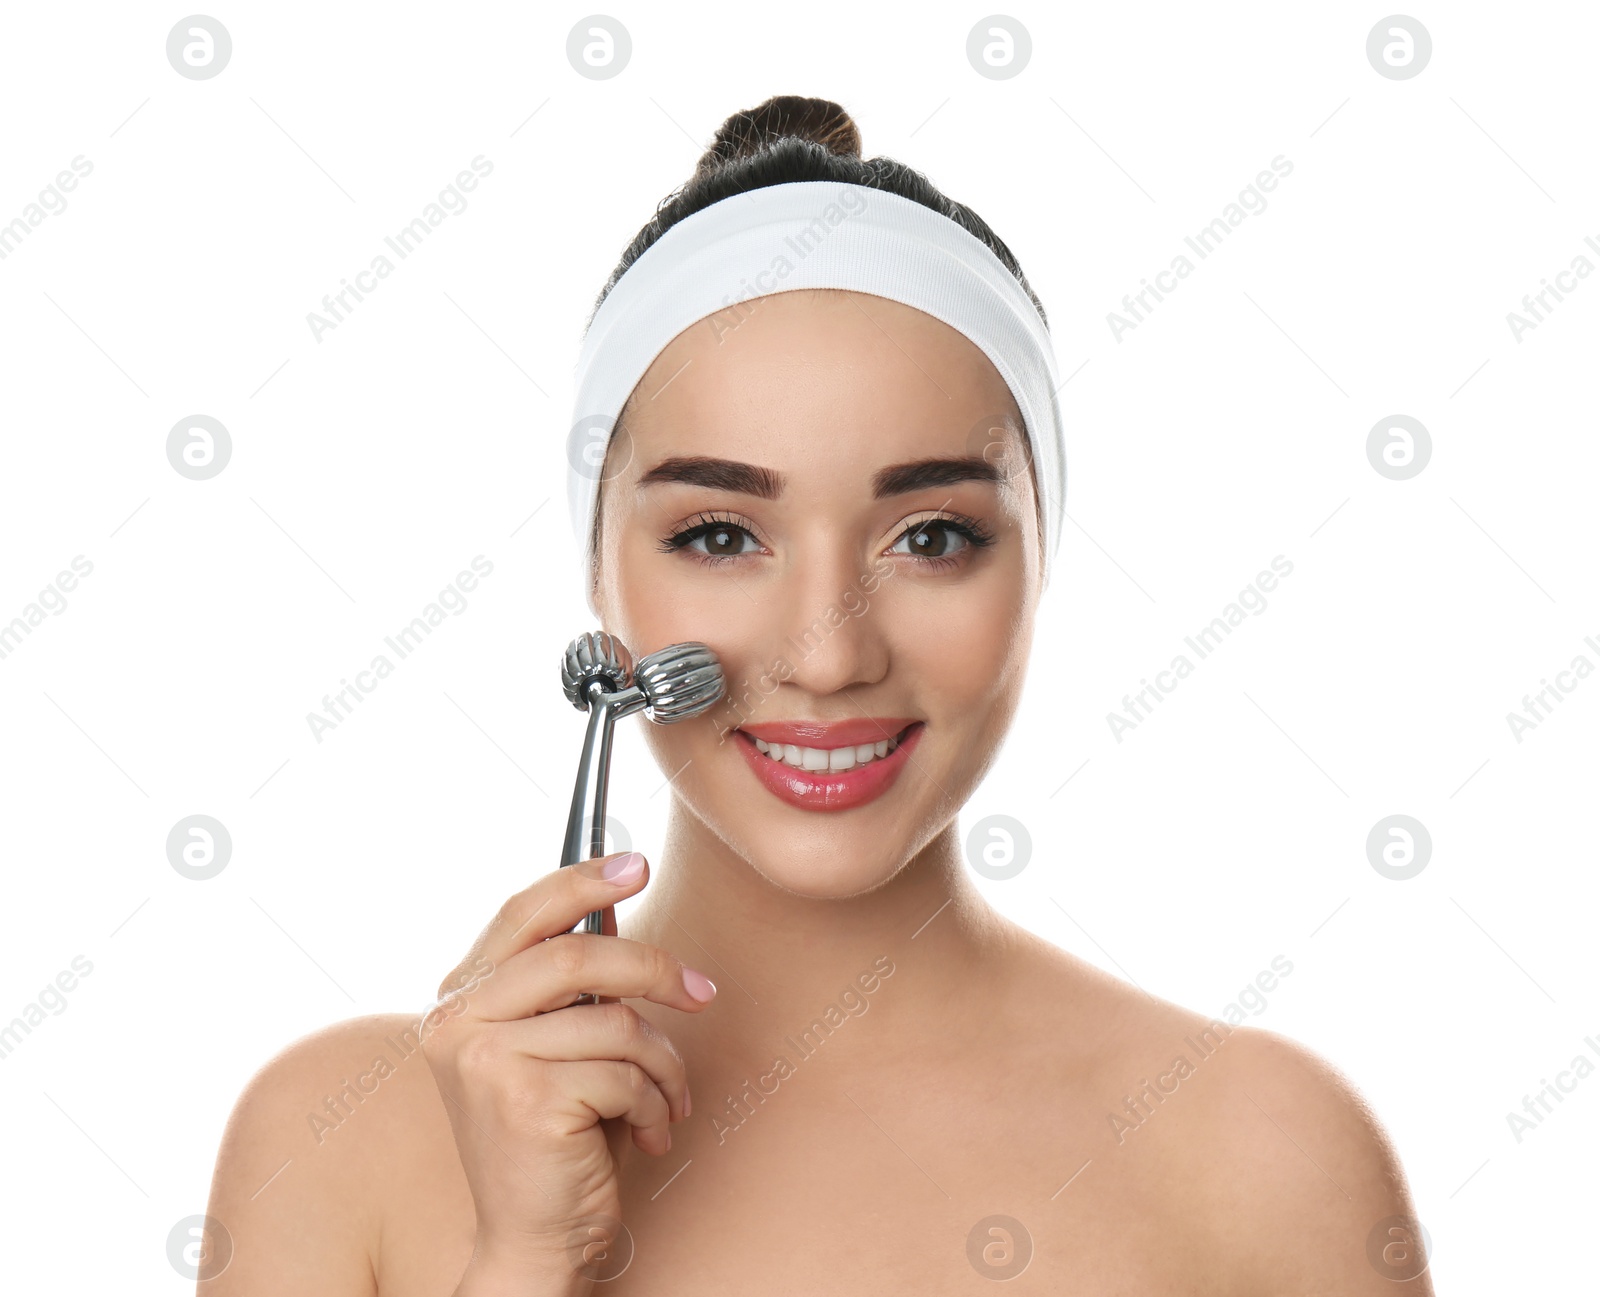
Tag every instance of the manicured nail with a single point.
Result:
(698, 985)
(624, 869)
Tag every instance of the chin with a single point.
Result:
(825, 857)
(833, 868)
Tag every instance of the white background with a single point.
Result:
(369, 467)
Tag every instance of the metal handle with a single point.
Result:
(586, 822)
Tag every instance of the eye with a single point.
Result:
(931, 540)
(722, 536)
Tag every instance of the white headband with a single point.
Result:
(813, 234)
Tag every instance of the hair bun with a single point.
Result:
(747, 132)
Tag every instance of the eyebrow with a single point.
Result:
(752, 479)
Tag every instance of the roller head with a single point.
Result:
(679, 681)
(594, 655)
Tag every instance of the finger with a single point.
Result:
(608, 928)
(601, 1031)
(611, 1089)
(555, 902)
(554, 973)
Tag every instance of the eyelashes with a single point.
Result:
(972, 530)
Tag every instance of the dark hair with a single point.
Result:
(790, 138)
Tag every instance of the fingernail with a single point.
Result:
(624, 869)
(688, 1101)
(698, 985)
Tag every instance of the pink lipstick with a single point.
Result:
(829, 765)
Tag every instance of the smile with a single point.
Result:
(820, 759)
(854, 769)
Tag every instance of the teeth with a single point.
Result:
(829, 759)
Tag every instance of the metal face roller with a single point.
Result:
(599, 676)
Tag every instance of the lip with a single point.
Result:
(822, 790)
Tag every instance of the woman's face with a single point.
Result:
(794, 425)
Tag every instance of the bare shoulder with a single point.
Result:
(1308, 1188)
(310, 1152)
(1261, 1155)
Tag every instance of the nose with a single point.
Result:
(828, 611)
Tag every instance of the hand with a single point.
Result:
(527, 1074)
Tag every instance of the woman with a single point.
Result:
(895, 1089)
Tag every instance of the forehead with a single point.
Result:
(821, 385)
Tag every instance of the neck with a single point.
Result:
(921, 952)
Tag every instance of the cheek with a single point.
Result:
(660, 599)
(965, 644)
